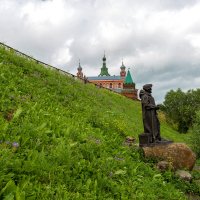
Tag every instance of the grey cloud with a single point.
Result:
(153, 51)
(177, 4)
(164, 4)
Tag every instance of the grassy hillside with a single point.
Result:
(71, 139)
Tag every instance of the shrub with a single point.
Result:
(195, 135)
(180, 108)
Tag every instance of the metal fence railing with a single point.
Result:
(38, 61)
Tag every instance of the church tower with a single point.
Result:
(129, 87)
(79, 73)
(123, 71)
(104, 69)
(128, 81)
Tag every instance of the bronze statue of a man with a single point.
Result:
(150, 118)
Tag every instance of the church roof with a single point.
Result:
(128, 79)
(104, 78)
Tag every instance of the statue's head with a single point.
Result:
(147, 87)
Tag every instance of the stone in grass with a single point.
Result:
(179, 155)
(163, 166)
(184, 175)
(129, 141)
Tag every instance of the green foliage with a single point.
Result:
(180, 108)
(195, 135)
(191, 188)
(71, 139)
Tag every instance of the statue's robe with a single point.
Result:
(149, 114)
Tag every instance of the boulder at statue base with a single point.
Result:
(179, 155)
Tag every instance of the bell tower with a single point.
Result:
(79, 73)
(123, 70)
(104, 69)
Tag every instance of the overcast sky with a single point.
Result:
(159, 40)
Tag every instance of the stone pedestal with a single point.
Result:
(145, 140)
(178, 155)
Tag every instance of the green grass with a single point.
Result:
(71, 139)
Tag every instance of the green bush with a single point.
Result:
(180, 108)
(195, 135)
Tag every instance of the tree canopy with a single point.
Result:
(180, 108)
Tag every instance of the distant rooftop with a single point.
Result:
(104, 78)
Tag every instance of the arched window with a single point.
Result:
(119, 85)
(110, 86)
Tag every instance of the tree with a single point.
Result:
(195, 135)
(180, 108)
